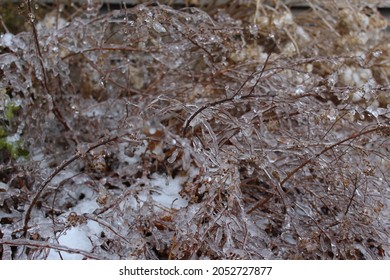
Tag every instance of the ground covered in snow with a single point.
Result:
(235, 132)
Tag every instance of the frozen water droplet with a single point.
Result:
(357, 96)
(228, 90)
(253, 29)
(299, 90)
(332, 80)
(374, 110)
(237, 97)
(212, 39)
(247, 131)
(173, 157)
(377, 53)
(332, 114)
(361, 61)
(367, 87)
(250, 170)
(152, 130)
(31, 17)
(3, 187)
(272, 157)
(287, 237)
(158, 27)
(186, 160)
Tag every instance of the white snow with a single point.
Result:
(3, 187)
(167, 191)
(76, 238)
(6, 40)
(80, 236)
(165, 194)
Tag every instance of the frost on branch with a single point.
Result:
(196, 133)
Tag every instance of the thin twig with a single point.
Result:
(352, 196)
(111, 48)
(259, 204)
(351, 137)
(107, 225)
(44, 244)
(61, 167)
(218, 102)
(3, 24)
(55, 110)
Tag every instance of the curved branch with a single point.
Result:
(44, 244)
(211, 104)
(351, 137)
(59, 168)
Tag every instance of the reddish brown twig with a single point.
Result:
(47, 245)
(351, 137)
(218, 102)
(61, 167)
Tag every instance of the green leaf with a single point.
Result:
(10, 111)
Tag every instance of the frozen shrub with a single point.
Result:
(243, 132)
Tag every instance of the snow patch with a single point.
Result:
(167, 191)
(76, 237)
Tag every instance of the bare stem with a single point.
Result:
(61, 167)
(47, 245)
(218, 102)
(351, 137)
